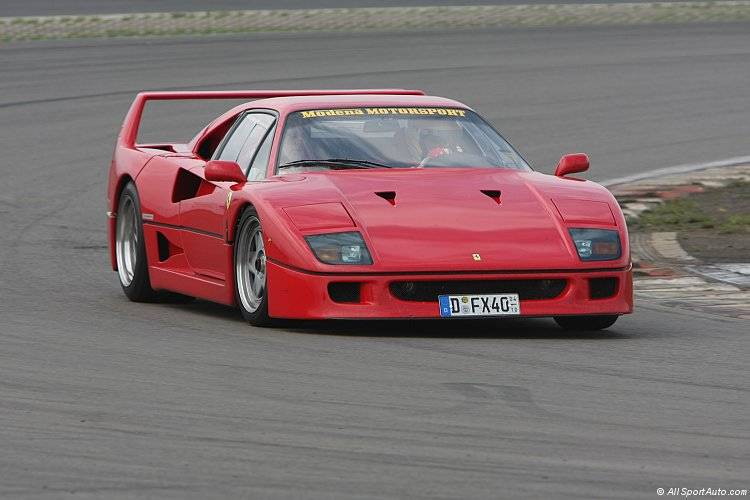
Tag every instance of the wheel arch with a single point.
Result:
(283, 242)
(122, 181)
(234, 216)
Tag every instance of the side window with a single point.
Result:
(238, 135)
(253, 143)
(259, 166)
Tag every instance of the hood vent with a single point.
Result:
(492, 193)
(389, 196)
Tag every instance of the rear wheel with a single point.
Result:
(250, 278)
(130, 248)
(583, 323)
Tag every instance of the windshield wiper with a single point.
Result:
(335, 163)
(364, 163)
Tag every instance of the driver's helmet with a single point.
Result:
(443, 136)
(424, 135)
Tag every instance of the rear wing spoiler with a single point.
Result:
(129, 130)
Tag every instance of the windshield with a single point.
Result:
(395, 138)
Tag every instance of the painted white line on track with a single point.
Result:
(677, 169)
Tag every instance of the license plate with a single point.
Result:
(506, 304)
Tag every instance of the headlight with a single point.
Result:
(596, 244)
(340, 248)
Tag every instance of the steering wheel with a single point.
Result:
(434, 153)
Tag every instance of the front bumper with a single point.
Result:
(297, 294)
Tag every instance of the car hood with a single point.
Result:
(454, 220)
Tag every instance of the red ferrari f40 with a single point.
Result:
(365, 204)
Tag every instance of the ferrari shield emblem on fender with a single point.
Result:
(476, 256)
(229, 199)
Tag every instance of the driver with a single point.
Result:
(427, 138)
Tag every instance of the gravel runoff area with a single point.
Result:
(719, 191)
(380, 18)
(712, 223)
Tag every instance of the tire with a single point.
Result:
(250, 277)
(130, 248)
(585, 323)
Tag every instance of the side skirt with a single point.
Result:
(169, 269)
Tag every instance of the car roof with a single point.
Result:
(297, 103)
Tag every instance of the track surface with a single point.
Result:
(75, 7)
(106, 398)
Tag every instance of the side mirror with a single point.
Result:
(571, 164)
(224, 171)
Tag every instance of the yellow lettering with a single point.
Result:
(319, 113)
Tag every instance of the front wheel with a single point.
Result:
(584, 323)
(250, 278)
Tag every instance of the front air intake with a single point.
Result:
(345, 292)
(602, 288)
(428, 291)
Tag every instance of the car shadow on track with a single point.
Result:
(507, 328)
(467, 329)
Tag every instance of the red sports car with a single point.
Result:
(364, 204)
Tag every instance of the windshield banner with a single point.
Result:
(321, 113)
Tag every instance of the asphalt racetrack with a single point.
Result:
(100, 397)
